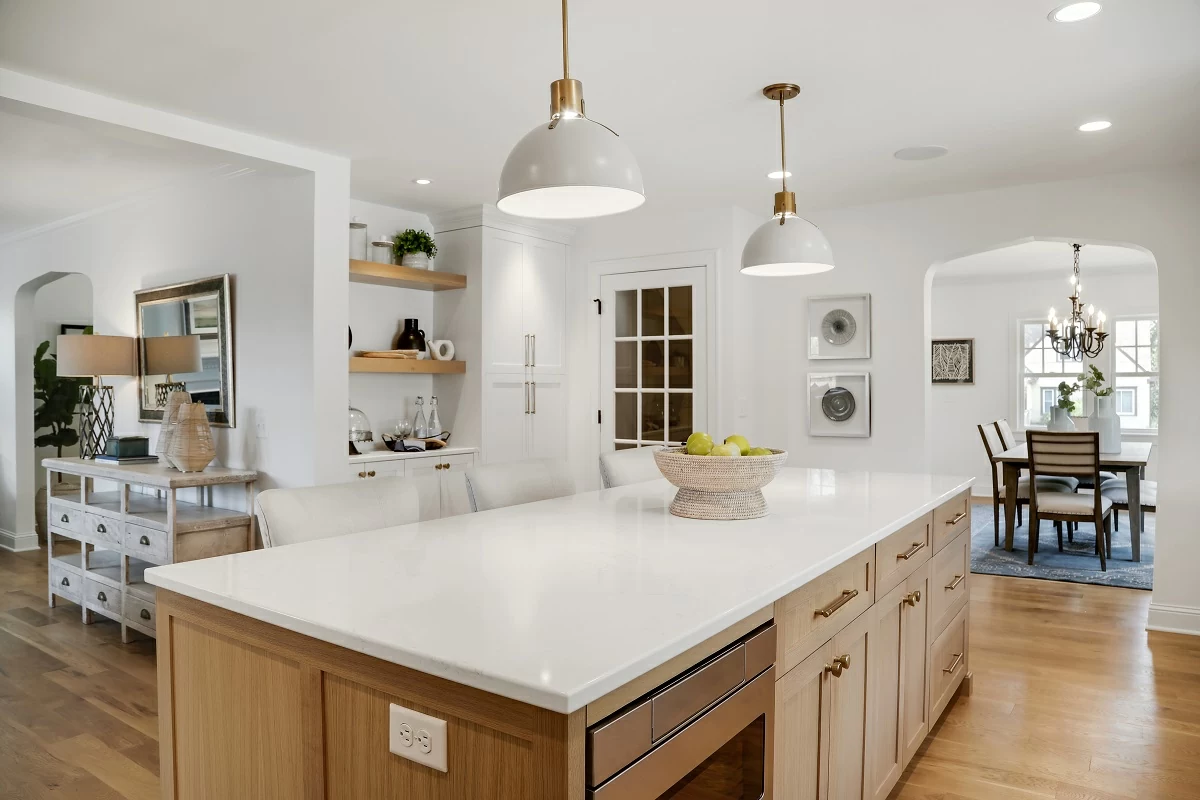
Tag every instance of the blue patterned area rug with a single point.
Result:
(1078, 563)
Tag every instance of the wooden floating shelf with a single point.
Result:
(404, 278)
(407, 366)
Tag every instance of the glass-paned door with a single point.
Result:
(653, 357)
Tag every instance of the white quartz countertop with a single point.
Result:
(558, 603)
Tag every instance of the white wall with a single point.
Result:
(377, 316)
(987, 310)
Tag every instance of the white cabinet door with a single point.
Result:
(548, 418)
(545, 295)
(424, 465)
(504, 328)
(505, 419)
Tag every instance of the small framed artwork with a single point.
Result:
(839, 326)
(954, 361)
(70, 329)
(839, 404)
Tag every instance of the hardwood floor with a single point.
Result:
(1072, 700)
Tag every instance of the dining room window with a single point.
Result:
(1042, 370)
(1125, 401)
(1133, 370)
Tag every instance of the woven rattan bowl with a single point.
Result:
(716, 487)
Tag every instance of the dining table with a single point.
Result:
(1131, 461)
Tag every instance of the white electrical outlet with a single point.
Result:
(417, 737)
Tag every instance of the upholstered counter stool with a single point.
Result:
(623, 467)
(513, 483)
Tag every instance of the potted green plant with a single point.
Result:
(57, 400)
(1103, 419)
(1060, 415)
(413, 248)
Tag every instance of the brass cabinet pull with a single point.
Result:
(533, 385)
(101, 529)
(533, 351)
(371, 474)
(145, 614)
(526, 397)
(954, 664)
(912, 551)
(101, 597)
(362, 474)
(952, 585)
(957, 518)
(144, 541)
(912, 598)
(847, 596)
(64, 518)
(445, 466)
(839, 664)
(527, 349)
(65, 582)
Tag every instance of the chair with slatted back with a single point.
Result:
(1074, 455)
(992, 444)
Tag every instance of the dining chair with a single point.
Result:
(1075, 455)
(992, 444)
(288, 516)
(1009, 440)
(622, 467)
(515, 482)
(1118, 491)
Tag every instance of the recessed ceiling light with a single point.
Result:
(777, 175)
(1075, 12)
(1098, 125)
(921, 153)
(422, 181)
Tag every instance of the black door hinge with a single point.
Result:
(599, 305)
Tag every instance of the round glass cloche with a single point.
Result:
(360, 434)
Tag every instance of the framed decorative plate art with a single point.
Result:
(954, 361)
(839, 326)
(839, 404)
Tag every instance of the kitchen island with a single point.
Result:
(528, 629)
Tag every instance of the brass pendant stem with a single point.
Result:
(566, 60)
(782, 144)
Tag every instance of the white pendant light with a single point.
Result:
(786, 244)
(572, 167)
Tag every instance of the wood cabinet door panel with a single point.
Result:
(848, 694)
(886, 760)
(802, 729)
(914, 650)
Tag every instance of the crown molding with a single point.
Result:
(488, 216)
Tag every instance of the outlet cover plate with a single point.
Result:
(406, 745)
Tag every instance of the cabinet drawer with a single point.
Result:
(104, 530)
(899, 555)
(147, 544)
(950, 519)
(101, 596)
(139, 612)
(950, 582)
(65, 518)
(812, 614)
(947, 664)
(66, 582)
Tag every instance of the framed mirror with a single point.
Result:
(185, 342)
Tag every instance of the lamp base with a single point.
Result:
(96, 414)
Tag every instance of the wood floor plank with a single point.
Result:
(128, 779)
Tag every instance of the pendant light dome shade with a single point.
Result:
(572, 169)
(797, 247)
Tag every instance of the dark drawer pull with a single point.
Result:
(145, 614)
(912, 551)
(65, 582)
(103, 598)
(144, 540)
(64, 518)
(101, 529)
(847, 596)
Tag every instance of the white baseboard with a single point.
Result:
(1173, 619)
(18, 542)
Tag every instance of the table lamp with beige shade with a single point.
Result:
(94, 357)
(170, 355)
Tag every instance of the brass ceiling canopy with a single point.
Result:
(785, 201)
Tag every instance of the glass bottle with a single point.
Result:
(419, 427)
(435, 422)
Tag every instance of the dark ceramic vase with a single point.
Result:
(412, 337)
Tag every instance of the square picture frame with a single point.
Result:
(839, 404)
(953, 362)
(839, 326)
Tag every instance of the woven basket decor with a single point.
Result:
(192, 446)
(170, 421)
(719, 487)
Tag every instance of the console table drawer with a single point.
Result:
(139, 612)
(101, 596)
(104, 529)
(147, 544)
(66, 582)
(65, 518)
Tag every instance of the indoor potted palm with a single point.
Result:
(57, 399)
(1103, 419)
(413, 248)
(1060, 415)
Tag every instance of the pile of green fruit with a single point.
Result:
(701, 444)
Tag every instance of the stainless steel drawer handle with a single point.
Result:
(912, 551)
(828, 611)
(959, 517)
(839, 664)
(144, 541)
(65, 582)
(102, 597)
(144, 614)
(954, 664)
(952, 585)
(912, 598)
(64, 518)
(101, 529)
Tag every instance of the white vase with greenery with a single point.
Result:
(1103, 419)
(1060, 415)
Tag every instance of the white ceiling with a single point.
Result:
(443, 89)
(54, 166)
(1046, 258)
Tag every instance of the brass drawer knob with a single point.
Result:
(102, 597)
(840, 663)
(144, 540)
(144, 614)
(371, 474)
(952, 585)
(912, 598)
(847, 596)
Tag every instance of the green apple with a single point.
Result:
(699, 444)
(726, 450)
(760, 451)
(740, 441)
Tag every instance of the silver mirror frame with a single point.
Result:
(225, 416)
